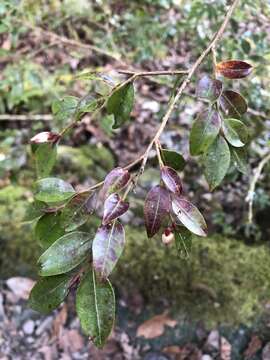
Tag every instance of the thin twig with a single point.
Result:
(28, 117)
(152, 73)
(254, 180)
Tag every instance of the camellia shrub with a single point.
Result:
(77, 259)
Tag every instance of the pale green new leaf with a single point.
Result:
(235, 131)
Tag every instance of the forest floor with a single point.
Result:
(25, 334)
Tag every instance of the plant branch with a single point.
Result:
(152, 73)
(254, 180)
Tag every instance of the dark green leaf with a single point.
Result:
(65, 108)
(48, 229)
(209, 89)
(65, 253)
(51, 190)
(240, 159)
(216, 162)
(183, 241)
(120, 104)
(34, 210)
(95, 305)
(233, 104)
(204, 131)
(48, 293)
(235, 131)
(45, 157)
(189, 215)
(173, 159)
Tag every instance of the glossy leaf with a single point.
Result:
(48, 229)
(235, 131)
(183, 241)
(51, 190)
(189, 216)
(173, 159)
(64, 109)
(204, 131)
(107, 247)
(209, 89)
(233, 104)
(240, 159)
(216, 162)
(171, 180)
(120, 104)
(48, 293)
(115, 181)
(234, 69)
(45, 157)
(76, 212)
(114, 207)
(65, 254)
(156, 208)
(95, 306)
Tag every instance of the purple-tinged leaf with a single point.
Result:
(171, 180)
(156, 208)
(233, 104)
(234, 69)
(114, 207)
(107, 248)
(189, 216)
(116, 180)
(209, 89)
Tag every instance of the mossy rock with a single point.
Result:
(224, 280)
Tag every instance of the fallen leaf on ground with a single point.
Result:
(155, 327)
(59, 321)
(254, 345)
(20, 286)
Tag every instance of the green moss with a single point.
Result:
(224, 280)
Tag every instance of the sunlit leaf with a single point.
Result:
(240, 159)
(235, 131)
(48, 293)
(189, 215)
(156, 208)
(115, 181)
(173, 159)
(171, 179)
(107, 247)
(209, 89)
(233, 104)
(95, 306)
(48, 229)
(120, 104)
(114, 207)
(65, 253)
(234, 69)
(204, 131)
(183, 241)
(216, 162)
(51, 190)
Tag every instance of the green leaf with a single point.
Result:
(65, 108)
(34, 210)
(216, 162)
(48, 229)
(95, 305)
(183, 241)
(45, 157)
(87, 104)
(51, 190)
(204, 131)
(106, 124)
(240, 159)
(120, 104)
(48, 293)
(65, 254)
(173, 159)
(235, 131)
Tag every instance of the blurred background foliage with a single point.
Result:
(46, 43)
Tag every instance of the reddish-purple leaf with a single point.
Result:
(209, 89)
(234, 69)
(114, 207)
(107, 247)
(156, 207)
(45, 137)
(171, 180)
(116, 180)
(189, 216)
(233, 104)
